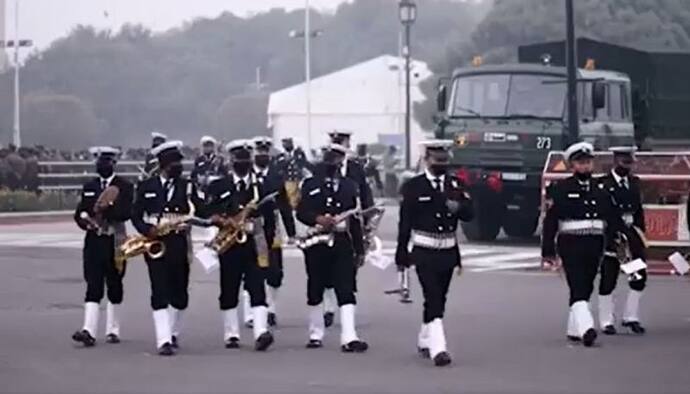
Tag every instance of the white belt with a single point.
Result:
(581, 227)
(434, 241)
(628, 219)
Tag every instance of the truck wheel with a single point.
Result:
(486, 224)
(520, 226)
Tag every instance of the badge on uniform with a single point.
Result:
(315, 192)
(680, 264)
(89, 194)
(149, 195)
(573, 195)
(424, 198)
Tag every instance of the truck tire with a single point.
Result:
(487, 221)
(518, 225)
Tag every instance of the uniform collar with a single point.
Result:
(108, 180)
(431, 177)
(163, 179)
(236, 179)
(261, 172)
(619, 178)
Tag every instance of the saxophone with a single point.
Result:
(293, 194)
(153, 247)
(318, 235)
(234, 229)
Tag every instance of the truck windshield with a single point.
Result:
(509, 95)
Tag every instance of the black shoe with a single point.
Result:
(232, 343)
(263, 342)
(573, 338)
(112, 338)
(355, 347)
(249, 324)
(85, 338)
(424, 352)
(589, 337)
(272, 319)
(314, 344)
(175, 344)
(442, 359)
(166, 350)
(328, 319)
(635, 327)
(610, 330)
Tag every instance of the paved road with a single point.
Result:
(505, 329)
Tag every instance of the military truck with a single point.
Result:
(505, 119)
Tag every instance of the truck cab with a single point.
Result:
(505, 119)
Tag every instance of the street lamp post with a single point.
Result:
(408, 15)
(301, 34)
(16, 44)
(571, 54)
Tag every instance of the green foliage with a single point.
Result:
(21, 201)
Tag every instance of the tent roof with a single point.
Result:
(373, 87)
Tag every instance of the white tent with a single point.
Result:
(367, 99)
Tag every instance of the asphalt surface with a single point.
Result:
(505, 329)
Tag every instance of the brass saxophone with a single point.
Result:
(318, 235)
(293, 194)
(140, 244)
(234, 231)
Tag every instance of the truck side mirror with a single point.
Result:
(442, 98)
(598, 95)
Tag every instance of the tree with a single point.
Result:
(59, 121)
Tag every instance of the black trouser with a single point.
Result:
(237, 264)
(169, 274)
(99, 269)
(334, 266)
(610, 270)
(274, 272)
(581, 256)
(435, 271)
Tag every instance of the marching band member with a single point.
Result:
(271, 181)
(579, 216)
(227, 197)
(159, 200)
(624, 188)
(324, 196)
(209, 164)
(105, 206)
(151, 162)
(432, 204)
(352, 169)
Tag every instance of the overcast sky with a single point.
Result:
(45, 20)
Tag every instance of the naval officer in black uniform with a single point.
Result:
(103, 220)
(326, 195)
(352, 169)
(209, 165)
(247, 261)
(433, 203)
(579, 218)
(267, 175)
(624, 188)
(151, 167)
(166, 197)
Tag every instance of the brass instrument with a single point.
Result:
(293, 193)
(234, 231)
(318, 235)
(137, 245)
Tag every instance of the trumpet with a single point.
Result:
(234, 231)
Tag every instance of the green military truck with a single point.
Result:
(505, 119)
